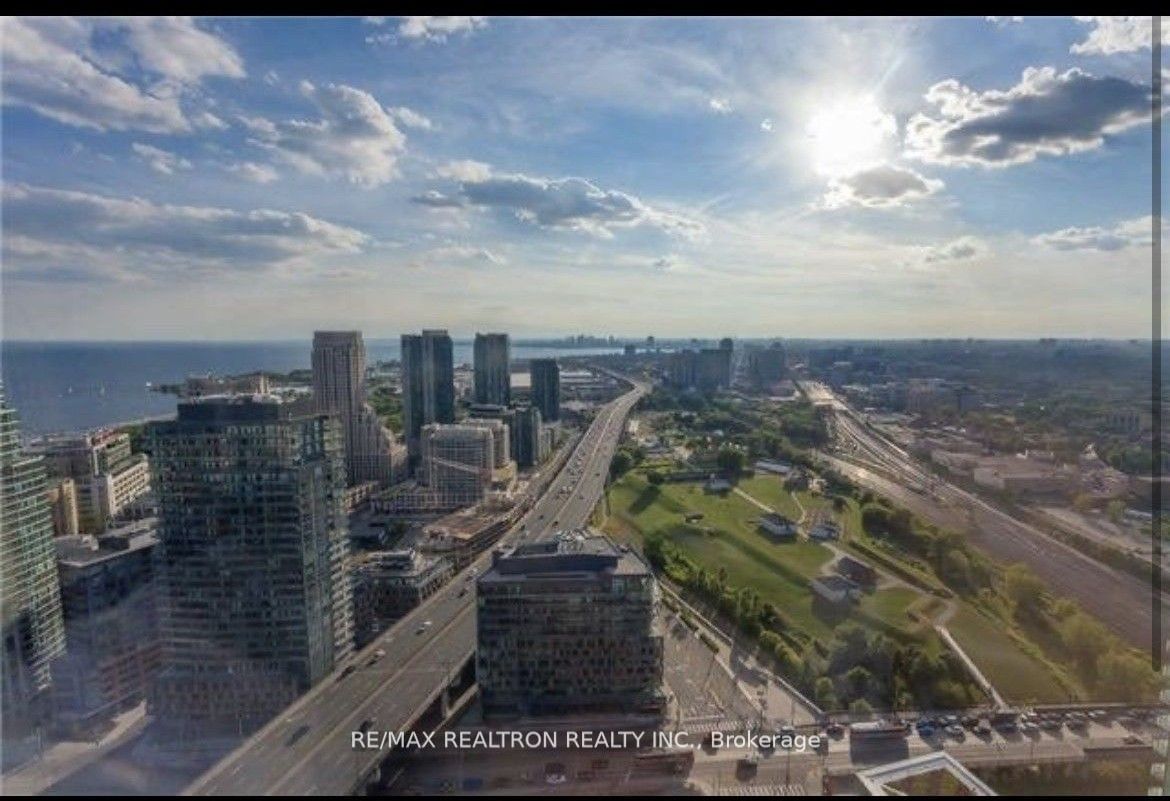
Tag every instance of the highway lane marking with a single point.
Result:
(363, 708)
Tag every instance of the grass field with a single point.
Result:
(1019, 677)
(727, 537)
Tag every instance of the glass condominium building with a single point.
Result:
(30, 598)
(255, 601)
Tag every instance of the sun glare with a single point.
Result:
(845, 136)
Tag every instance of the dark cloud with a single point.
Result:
(571, 203)
(883, 186)
(1046, 113)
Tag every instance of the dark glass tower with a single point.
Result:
(428, 385)
(255, 605)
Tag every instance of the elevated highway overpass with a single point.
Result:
(417, 667)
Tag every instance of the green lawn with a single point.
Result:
(1019, 677)
(769, 489)
(727, 537)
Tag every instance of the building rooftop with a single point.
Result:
(82, 551)
(276, 405)
(572, 552)
(885, 779)
(835, 582)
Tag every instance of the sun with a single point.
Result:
(847, 135)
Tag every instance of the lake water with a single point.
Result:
(73, 386)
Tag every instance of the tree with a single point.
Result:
(1085, 639)
(621, 464)
(857, 682)
(826, 696)
(1126, 677)
(731, 460)
(860, 708)
(655, 478)
(1024, 589)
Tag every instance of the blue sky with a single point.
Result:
(175, 178)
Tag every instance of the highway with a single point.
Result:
(1120, 600)
(306, 749)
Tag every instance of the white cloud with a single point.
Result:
(562, 203)
(464, 170)
(766, 125)
(965, 248)
(1046, 113)
(411, 118)
(159, 160)
(176, 48)
(1129, 233)
(208, 121)
(435, 199)
(437, 29)
(879, 187)
(354, 138)
(53, 232)
(719, 105)
(459, 253)
(1111, 35)
(112, 73)
(253, 172)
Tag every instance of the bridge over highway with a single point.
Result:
(416, 669)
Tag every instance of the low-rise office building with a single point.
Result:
(111, 626)
(567, 625)
(388, 584)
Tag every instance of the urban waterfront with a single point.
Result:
(75, 386)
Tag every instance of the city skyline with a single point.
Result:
(859, 178)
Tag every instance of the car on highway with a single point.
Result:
(554, 773)
(347, 671)
(422, 627)
(1133, 739)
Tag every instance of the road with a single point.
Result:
(1120, 600)
(306, 749)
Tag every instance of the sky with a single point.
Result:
(209, 178)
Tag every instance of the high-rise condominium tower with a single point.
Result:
(255, 604)
(493, 355)
(339, 389)
(546, 388)
(30, 598)
(428, 385)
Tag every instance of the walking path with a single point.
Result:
(987, 686)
